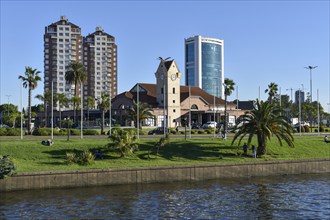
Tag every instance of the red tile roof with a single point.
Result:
(150, 96)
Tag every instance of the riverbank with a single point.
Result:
(31, 156)
(102, 177)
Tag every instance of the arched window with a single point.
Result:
(194, 107)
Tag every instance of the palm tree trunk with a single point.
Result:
(225, 122)
(87, 116)
(102, 125)
(45, 106)
(29, 111)
(261, 149)
(60, 117)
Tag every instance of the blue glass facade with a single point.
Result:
(211, 68)
(190, 69)
(204, 64)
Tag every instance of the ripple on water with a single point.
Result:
(288, 197)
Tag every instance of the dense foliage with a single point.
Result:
(264, 121)
(123, 140)
(7, 167)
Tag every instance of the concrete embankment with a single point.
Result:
(101, 177)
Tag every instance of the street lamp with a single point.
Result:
(310, 70)
(8, 104)
(291, 93)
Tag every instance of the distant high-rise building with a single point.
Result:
(204, 64)
(62, 44)
(100, 59)
(302, 96)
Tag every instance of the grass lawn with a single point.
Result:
(30, 156)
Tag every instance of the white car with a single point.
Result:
(209, 124)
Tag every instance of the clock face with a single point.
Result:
(173, 77)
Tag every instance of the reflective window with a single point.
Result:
(190, 56)
(211, 68)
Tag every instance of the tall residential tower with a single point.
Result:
(62, 44)
(100, 60)
(204, 64)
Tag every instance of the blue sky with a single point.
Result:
(265, 41)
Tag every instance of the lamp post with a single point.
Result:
(81, 110)
(138, 111)
(21, 102)
(52, 114)
(110, 113)
(291, 93)
(299, 112)
(310, 70)
(8, 104)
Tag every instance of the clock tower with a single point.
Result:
(168, 91)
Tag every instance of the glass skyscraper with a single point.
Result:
(204, 64)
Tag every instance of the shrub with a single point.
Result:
(143, 132)
(123, 140)
(13, 132)
(306, 128)
(70, 158)
(200, 132)
(209, 131)
(7, 167)
(90, 132)
(3, 131)
(75, 131)
(322, 128)
(316, 130)
(82, 158)
(42, 132)
(172, 131)
(86, 158)
(326, 130)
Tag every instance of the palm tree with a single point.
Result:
(229, 88)
(62, 101)
(30, 80)
(264, 121)
(104, 105)
(272, 91)
(90, 103)
(76, 74)
(144, 112)
(46, 98)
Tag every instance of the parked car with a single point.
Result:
(159, 130)
(209, 124)
(4, 126)
(195, 126)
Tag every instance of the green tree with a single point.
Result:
(229, 88)
(124, 140)
(103, 105)
(46, 99)
(30, 80)
(264, 121)
(62, 101)
(272, 91)
(10, 114)
(145, 111)
(76, 74)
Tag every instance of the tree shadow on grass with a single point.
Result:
(61, 154)
(188, 150)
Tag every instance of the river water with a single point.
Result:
(281, 197)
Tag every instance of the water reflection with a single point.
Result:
(286, 197)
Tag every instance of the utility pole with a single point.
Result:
(311, 84)
(8, 104)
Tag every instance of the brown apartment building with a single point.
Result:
(63, 43)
